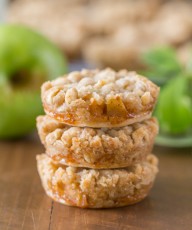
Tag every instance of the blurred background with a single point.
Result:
(108, 33)
(153, 37)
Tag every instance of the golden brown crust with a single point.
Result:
(89, 188)
(100, 98)
(97, 148)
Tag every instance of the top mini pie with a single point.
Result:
(100, 98)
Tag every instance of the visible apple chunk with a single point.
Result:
(116, 107)
(96, 109)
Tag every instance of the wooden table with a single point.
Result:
(24, 205)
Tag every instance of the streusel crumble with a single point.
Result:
(90, 188)
(97, 148)
(100, 98)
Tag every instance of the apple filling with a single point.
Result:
(91, 97)
(97, 188)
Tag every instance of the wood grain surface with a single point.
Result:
(24, 205)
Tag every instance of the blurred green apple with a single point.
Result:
(27, 59)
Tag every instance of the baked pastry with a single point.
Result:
(126, 45)
(97, 148)
(89, 188)
(100, 98)
(114, 15)
(172, 24)
(63, 22)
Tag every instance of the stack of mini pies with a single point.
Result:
(98, 134)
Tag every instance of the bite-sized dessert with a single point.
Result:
(54, 20)
(90, 188)
(104, 17)
(172, 24)
(97, 148)
(85, 28)
(98, 134)
(100, 98)
(122, 49)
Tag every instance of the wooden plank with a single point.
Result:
(24, 205)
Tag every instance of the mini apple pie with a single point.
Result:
(100, 98)
(97, 148)
(90, 188)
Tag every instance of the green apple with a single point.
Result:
(27, 59)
